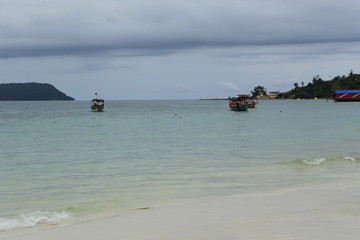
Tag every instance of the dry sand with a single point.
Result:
(298, 214)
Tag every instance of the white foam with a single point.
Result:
(351, 158)
(32, 219)
(315, 161)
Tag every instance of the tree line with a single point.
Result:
(319, 88)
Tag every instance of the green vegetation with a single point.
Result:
(320, 88)
(259, 90)
(30, 92)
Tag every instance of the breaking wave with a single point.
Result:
(320, 161)
(316, 161)
(323, 161)
(32, 219)
(351, 158)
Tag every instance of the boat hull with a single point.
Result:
(97, 109)
(252, 105)
(238, 106)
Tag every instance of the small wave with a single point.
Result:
(316, 161)
(351, 158)
(32, 219)
(328, 160)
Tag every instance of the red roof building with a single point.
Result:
(273, 94)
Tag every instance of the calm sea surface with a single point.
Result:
(59, 162)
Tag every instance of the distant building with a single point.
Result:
(261, 94)
(347, 96)
(274, 94)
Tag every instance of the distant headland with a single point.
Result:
(31, 92)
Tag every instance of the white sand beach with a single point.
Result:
(295, 214)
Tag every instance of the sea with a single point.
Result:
(62, 164)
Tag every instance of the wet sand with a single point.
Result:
(295, 214)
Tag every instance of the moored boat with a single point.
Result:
(238, 104)
(246, 98)
(97, 104)
(252, 101)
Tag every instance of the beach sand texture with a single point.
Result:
(295, 214)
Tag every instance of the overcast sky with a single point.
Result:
(176, 49)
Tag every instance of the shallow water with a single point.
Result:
(60, 162)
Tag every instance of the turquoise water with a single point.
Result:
(60, 162)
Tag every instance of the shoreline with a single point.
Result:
(309, 213)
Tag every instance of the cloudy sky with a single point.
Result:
(176, 49)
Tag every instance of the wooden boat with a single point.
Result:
(238, 104)
(97, 104)
(252, 101)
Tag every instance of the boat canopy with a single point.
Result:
(244, 95)
(97, 100)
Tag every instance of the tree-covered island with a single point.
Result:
(31, 92)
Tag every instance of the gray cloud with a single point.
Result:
(142, 49)
(45, 28)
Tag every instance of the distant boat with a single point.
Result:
(97, 104)
(252, 101)
(239, 103)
